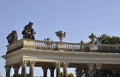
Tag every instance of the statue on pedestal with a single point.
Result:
(12, 37)
(28, 31)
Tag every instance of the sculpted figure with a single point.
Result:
(93, 38)
(15, 36)
(9, 37)
(28, 31)
(12, 37)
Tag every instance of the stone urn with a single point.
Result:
(61, 35)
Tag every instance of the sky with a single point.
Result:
(78, 18)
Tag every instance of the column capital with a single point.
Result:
(16, 66)
(91, 64)
(24, 63)
(44, 67)
(99, 66)
(32, 62)
(58, 63)
(65, 63)
(7, 66)
(52, 68)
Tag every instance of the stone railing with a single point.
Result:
(45, 45)
(77, 47)
(115, 48)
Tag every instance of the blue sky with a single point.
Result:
(78, 18)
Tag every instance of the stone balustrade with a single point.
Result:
(50, 45)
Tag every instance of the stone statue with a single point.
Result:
(93, 38)
(60, 35)
(12, 37)
(82, 45)
(28, 31)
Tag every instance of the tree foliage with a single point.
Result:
(106, 39)
(69, 75)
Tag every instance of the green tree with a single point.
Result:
(69, 75)
(106, 39)
(61, 74)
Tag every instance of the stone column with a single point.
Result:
(65, 69)
(24, 69)
(86, 72)
(8, 70)
(52, 71)
(44, 71)
(58, 70)
(78, 72)
(98, 67)
(32, 69)
(90, 70)
(16, 69)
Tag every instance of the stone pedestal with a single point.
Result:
(61, 46)
(93, 47)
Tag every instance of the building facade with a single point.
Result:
(92, 59)
(95, 59)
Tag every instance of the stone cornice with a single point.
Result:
(63, 56)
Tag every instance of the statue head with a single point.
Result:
(14, 32)
(30, 23)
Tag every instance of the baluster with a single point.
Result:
(70, 46)
(36, 44)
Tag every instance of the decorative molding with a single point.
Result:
(61, 56)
